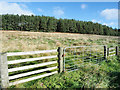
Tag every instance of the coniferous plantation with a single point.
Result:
(59, 45)
(51, 24)
(93, 70)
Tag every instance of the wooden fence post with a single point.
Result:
(117, 50)
(105, 52)
(60, 59)
(4, 70)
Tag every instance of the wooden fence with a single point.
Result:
(4, 70)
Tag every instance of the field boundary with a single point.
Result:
(4, 70)
(4, 75)
(97, 53)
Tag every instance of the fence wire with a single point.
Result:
(77, 55)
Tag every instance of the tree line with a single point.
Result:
(51, 24)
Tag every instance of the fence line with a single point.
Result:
(4, 70)
(5, 79)
(32, 78)
(29, 53)
(31, 66)
(113, 51)
(96, 53)
(31, 59)
(30, 73)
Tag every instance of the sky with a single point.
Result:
(61, 0)
(105, 13)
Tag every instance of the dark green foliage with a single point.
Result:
(50, 24)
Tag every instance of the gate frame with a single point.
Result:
(104, 51)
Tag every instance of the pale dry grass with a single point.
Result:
(31, 41)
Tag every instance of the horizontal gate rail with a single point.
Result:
(83, 46)
(31, 66)
(30, 73)
(30, 59)
(29, 53)
(111, 48)
(32, 78)
(7, 80)
(94, 54)
(112, 55)
(112, 52)
(67, 59)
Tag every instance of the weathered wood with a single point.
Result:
(32, 78)
(4, 78)
(30, 73)
(60, 59)
(108, 52)
(105, 52)
(117, 50)
(31, 66)
(29, 53)
(4, 70)
(30, 59)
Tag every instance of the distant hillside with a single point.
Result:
(51, 24)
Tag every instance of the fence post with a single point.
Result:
(117, 50)
(4, 70)
(105, 52)
(60, 59)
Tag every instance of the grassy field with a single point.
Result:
(90, 74)
(13, 41)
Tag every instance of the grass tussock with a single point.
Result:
(90, 74)
(30, 41)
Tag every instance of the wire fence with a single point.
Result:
(67, 59)
(77, 55)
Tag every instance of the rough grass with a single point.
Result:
(12, 41)
(102, 75)
(89, 75)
